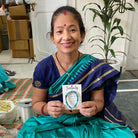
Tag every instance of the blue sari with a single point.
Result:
(5, 81)
(91, 73)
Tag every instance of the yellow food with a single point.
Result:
(5, 106)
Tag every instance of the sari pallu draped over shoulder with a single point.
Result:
(91, 73)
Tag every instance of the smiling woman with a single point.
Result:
(98, 82)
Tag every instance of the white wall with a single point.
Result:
(132, 58)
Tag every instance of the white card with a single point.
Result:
(72, 96)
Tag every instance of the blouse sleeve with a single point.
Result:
(39, 76)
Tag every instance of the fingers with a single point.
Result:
(88, 109)
(55, 108)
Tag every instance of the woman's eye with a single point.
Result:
(72, 30)
(59, 32)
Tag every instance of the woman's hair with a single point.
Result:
(75, 14)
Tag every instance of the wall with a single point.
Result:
(132, 59)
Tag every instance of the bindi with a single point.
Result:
(64, 24)
(65, 13)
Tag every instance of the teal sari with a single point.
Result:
(90, 72)
(5, 81)
(72, 126)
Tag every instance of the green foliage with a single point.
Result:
(110, 25)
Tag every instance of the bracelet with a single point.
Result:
(71, 107)
(42, 109)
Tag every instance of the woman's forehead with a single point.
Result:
(65, 18)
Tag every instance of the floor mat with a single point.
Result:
(22, 90)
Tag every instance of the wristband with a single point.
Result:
(42, 109)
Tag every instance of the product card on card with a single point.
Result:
(72, 96)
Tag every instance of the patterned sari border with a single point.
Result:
(89, 73)
(52, 96)
(113, 116)
(107, 119)
(98, 79)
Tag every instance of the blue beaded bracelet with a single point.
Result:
(71, 107)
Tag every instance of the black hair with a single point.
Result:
(75, 14)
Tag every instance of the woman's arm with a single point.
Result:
(52, 108)
(90, 108)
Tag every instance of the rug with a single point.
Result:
(22, 90)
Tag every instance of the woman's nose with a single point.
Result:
(67, 35)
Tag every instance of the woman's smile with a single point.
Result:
(66, 45)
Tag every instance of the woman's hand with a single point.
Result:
(55, 108)
(88, 108)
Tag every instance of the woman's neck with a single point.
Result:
(68, 59)
(65, 61)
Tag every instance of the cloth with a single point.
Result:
(5, 81)
(91, 73)
(72, 126)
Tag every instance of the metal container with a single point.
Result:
(26, 109)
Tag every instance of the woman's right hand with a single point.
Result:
(55, 108)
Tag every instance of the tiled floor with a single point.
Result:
(22, 66)
(127, 98)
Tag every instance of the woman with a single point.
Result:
(69, 66)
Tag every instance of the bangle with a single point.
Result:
(42, 109)
(96, 111)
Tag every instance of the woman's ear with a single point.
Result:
(52, 38)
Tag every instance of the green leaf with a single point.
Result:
(108, 26)
(119, 28)
(106, 48)
(94, 16)
(113, 38)
(116, 20)
(112, 52)
(130, 8)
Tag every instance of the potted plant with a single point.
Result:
(111, 27)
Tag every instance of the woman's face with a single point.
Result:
(67, 35)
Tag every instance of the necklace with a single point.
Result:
(66, 99)
(62, 66)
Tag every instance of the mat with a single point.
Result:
(22, 90)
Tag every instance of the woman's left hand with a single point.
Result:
(88, 108)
